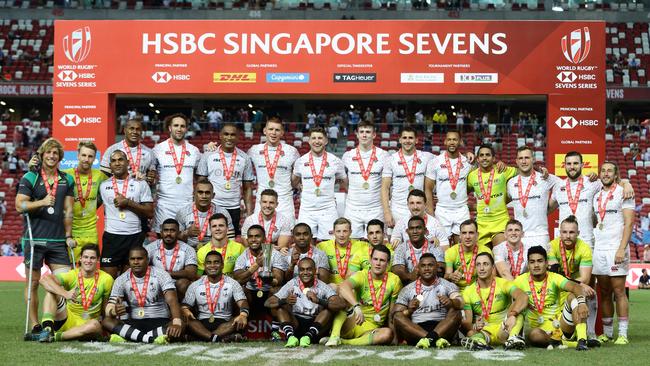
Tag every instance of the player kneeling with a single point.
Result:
(427, 311)
(312, 304)
(493, 309)
(544, 291)
(212, 297)
(80, 295)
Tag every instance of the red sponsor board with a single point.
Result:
(13, 269)
(632, 280)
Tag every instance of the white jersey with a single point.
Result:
(229, 293)
(535, 221)
(146, 158)
(185, 218)
(501, 255)
(334, 170)
(168, 189)
(585, 211)
(123, 222)
(358, 196)
(404, 256)
(244, 262)
(437, 171)
(282, 177)
(186, 256)
(227, 193)
(283, 225)
(154, 301)
(609, 238)
(400, 184)
(434, 231)
(305, 308)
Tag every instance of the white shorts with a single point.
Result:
(165, 209)
(535, 240)
(604, 265)
(321, 222)
(285, 206)
(451, 219)
(360, 218)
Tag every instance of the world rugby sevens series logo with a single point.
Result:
(577, 48)
(76, 45)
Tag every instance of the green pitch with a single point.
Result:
(15, 351)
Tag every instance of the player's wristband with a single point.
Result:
(23, 206)
(282, 302)
(581, 300)
(244, 311)
(323, 302)
(177, 321)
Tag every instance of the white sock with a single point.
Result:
(622, 326)
(608, 327)
(593, 314)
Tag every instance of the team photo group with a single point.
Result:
(262, 234)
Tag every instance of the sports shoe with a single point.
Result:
(305, 341)
(161, 339)
(582, 345)
(603, 339)
(442, 343)
(474, 344)
(423, 343)
(292, 342)
(515, 342)
(621, 340)
(333, 341)
(116, 338)
(275, 336)
(593, 343)
(46, 336)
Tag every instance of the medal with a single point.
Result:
(163, 257)
(50, 210)
(376, 302)
(83, 197)
(523, 197)
(602, 209)
(141, 297)
(453, 195)
(86, 301)
(410, 174)
(125, 187)
(540, 319)
(227, 170)
(203, 228)
(178, 165)
(318, 178)
(419, 298)
(411, 188)
(573, 201)
(256, 275)
(272, 167)
(487, 308)
(305, 291)
(525, 214)
(418, 290)
(271, 228)
(365, 172)
(468, 273)
(317, 192)
(135, 166)
(212, 301)
(83, 213)
(85, 316)
(50, 189)
(211, 319)
(414, 258)
(343, 269)
(515, 268)
(454, 177)
(538, 302)
(567, 264)
(122, 215)
(260, 294)
(486, 192)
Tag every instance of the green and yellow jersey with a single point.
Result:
(361, 287)
(362, 261)
(358, 251)
(84, 222)
(503, 291)
(452, 260)
(69, 281)
(579, 256)
(555, 284)
(233, 251)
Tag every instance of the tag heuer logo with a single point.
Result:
(566, 122)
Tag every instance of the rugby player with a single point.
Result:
(209, 304)
(364, 165)
(151, 297)
(229, 249)
(303, 248)
(304, 305)
(408, 254)
(427, 311)
(230, 170)
(345, 255)
(141, 158)
(273, 162)
(434, 232)
(375, 233)
(460, 260)
(510, 256)
(277, 226)
(315, 174)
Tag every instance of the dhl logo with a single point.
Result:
(590, 164)
(234, 77)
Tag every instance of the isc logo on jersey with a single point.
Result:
(234, 77)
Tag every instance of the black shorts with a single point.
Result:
(146, 325)
(214, 325)
(235, 215)
(303, 326)
(428, 326)
(115, 250)
(50, 252)
(257, 303)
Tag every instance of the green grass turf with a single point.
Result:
(14, 351)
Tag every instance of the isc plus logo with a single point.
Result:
(76, 45)
(234, 77)
(576, 46)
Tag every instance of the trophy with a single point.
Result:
(267, 250)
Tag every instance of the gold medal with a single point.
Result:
(305, 291)
(141, 313)
(260, 294)
(271, 183)
(317, 191)
(453, 195)
(411, 188)
(600, 226)
(122, 215)
(227, 186)
(211, 320)
(419, 298)
(179, 180)
(377, 318)
(366, 185)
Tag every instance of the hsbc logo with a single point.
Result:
(76, 45)
(70, 120)
(67, 75)
(161, 77)
(569, 123)
(576, 46)
(567, 76)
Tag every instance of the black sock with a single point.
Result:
(433, 335)
(48, 323)
(287, 329)
(314, 331)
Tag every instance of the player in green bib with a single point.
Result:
(460, 259)
(230, 250)
(87, 181)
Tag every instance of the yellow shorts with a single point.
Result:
(360, 330)
(81, 242)
(488, 229)
(73, 320)
(493, 330)
(547, 326)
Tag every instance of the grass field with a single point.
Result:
(14, 351)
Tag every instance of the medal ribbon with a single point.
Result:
(256, 276)
(227, 172)
(269, 236)
(486, 308)
(602, 209)
(224, 249)
(86, 301)
(212, 302)
(135, 167)
(425, 247)
(472, 264)
(376, 302)
(50, 189)
(453, 177)
(365, 173)
(344, 269)
(573, 201)
(177, 165)
(318, 178)
(272, 167)
(204, 227)
(539, 302)
(515, 270)
(302, 285)
(410, 174)
(163, 258)
(523, 198)
(567, 265)
(77, 181)
(141, 297)
(486, 193)
(125, 186)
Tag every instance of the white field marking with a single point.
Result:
(277, 357)
(498, 355)
(341, 354)
(404, 354)
(449, 354)
(229, 353)
(191, 350)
